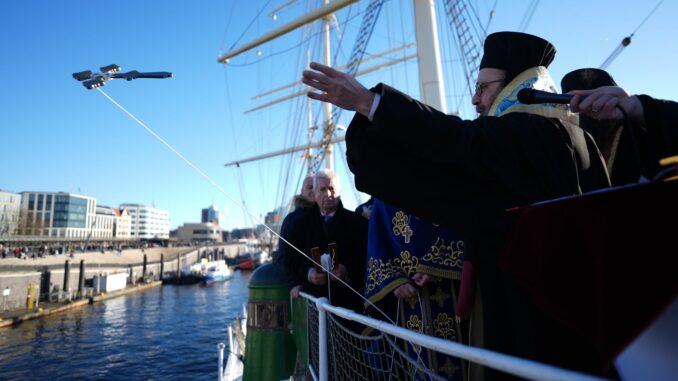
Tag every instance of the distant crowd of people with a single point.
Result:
(440, 188)
(35, 251)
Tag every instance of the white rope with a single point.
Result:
(525, 368)
(240, 205)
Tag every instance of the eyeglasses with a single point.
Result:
(480, 86)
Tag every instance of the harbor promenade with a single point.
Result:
(37, 287)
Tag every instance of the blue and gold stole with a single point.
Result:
(400, 245)
(537, 78)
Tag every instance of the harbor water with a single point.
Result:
(165, 333)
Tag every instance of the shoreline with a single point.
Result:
(56, 308)
(24, 281)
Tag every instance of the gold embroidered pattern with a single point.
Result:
(415, 324)
(443, 327)
(378, 272)
(449, 368)
(448, 255)
(401, 226)
(440, 297)
(407, 263)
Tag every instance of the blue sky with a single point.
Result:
(57, 136)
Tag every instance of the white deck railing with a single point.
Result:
(509, 364)
(517, 366)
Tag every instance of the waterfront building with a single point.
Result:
(210, 214)
(147, 222)
(123, 224)
(199, 233)
(57, 214)
(10, 204)
(104, 223)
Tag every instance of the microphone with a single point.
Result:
(532, 96)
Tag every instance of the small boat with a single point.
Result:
(246, 264)
(189, 274)
(215, 271)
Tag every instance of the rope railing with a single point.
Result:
(528, 369)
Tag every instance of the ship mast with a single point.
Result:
(325, 12)
(431, 82)
(428, 52)
(327, 107)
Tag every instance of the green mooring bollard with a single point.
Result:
(269, 351)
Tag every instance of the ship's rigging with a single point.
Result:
(464, 23)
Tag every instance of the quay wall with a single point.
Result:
(46, 275)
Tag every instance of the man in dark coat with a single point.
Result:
(466, 173)
(632, 148)
(302, 203)
(324, 223)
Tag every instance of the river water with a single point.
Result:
(165, 333)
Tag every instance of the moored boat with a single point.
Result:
(215, 271)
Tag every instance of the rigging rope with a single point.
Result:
(626, 41)
(250, 25)
(371, 14)
(528, 15)
(229, 197)
(288, 49)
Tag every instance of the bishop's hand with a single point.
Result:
(421, 279)
(604, 102)
(405, 291)
(338, 88)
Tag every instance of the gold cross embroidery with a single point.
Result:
(407, 233)
(401, 226)
(440, 297)
(449, 368)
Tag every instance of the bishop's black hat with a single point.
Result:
(516, 52)
(586, 79)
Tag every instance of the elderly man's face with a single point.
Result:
(490, 83)
(307, 189)
(327, 194)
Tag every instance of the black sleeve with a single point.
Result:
(462, 173)
(436, 166)
(661, 124)
(354, 255)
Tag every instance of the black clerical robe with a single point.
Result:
(464, 174)
(641, 148)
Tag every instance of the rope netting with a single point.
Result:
(354, 356)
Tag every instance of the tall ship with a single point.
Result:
(307, 337)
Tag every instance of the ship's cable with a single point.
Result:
(234, 201)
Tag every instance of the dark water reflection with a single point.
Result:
(167, 333)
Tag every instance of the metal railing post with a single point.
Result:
(221, 347)
(323, 372)
(230, 339)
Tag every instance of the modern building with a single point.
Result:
(10, 205)
(198, 233)
(104, 225)
(210, 214)
(57, 214)
(147, 222)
